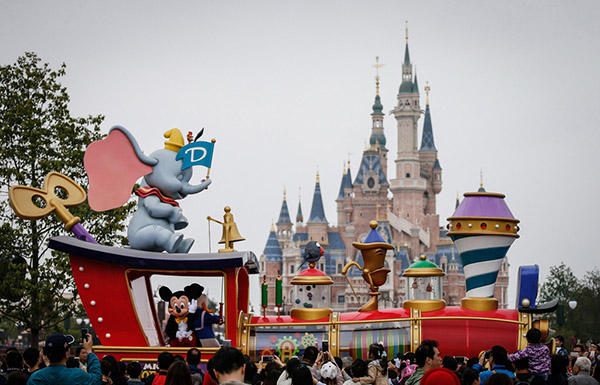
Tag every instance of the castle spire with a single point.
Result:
(299, 216)
(284, 213)
(481, 189)
(317, 212)
(427, 143)
(407, 77)
(346, 182)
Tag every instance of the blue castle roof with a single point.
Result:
(273, 248)
(284, 213)
(317, 212)
(370, 162)
(427, 143)
(346, 183)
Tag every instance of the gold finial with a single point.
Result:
(406, 31)
(423, 257)
(348, 164)
(373, 224)
(427, 89)
(272, 225)
(377, 67)
(480, 177)
(284, 194)
(344, 167)
(318, 179)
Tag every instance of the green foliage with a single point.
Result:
(580, 322)
(39, 135)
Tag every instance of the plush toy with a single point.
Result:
(182, 308)
(203, 324)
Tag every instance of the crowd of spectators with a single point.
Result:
(533, 365)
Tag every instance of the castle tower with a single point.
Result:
(299, 216)
(409, 186)
(317, 223)
(284, 224)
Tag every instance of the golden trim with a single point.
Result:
(150, 350)
(425, 304)
(374, 245)
(542, 326)
(334, 334)
(415, 329)
(243, 334)
(406, 319)
(310, 314)
(312, 280)
(524, 326)
(479, 303)
(156, 272)
(423, 272)
(498, 219)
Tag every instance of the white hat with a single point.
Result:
(329, 370)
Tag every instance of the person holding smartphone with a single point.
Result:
(56, 350)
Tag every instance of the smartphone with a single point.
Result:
(84, 332)
(267, 358)
(325, 346)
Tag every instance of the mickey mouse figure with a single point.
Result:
(182, 308)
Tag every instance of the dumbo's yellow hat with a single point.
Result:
(175, 141)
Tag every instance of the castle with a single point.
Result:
(403, 204)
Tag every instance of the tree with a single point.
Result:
(580, 322)
(39, 135)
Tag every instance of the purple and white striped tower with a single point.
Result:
(483, 229)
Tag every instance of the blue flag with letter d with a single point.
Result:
(196, 154)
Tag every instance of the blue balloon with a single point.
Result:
(298, 301)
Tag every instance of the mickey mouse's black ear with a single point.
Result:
(165, 293)
(194, 291)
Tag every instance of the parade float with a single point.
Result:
(114, 283)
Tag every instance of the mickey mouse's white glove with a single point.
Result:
(193, 306)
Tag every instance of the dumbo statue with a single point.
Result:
(114, 165)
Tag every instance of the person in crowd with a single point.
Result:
(303, 376)
(165, 359)
(285, 378)
(14, 363)
(558, 370)
(499, 379)
(377, 367)
(593, 354)
(178, 373)
(57, 351)
(538, 354)
(523, 376)
(81, 354)
(329, 373)
(577, 351)
(134, 371)
(229, 366)
(16, 378)
(106, 369)
(193, 360)
(116, 375)
(358, 369)
(210, 378)
(471, 377)
(72, 363)
(310, 356)
(407, 367)
(32, 359)
(497, 362)
(272, 377)
(581, 373)
(251, 370)
(428, 357)
(440, 376)
(560, 347)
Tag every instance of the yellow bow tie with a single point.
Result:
(178, 320)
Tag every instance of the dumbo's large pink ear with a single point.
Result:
(113, 166)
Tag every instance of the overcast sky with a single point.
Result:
(286, 87)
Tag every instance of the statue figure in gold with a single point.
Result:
(373, 252)
(230, 231)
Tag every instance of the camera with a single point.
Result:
(84, 332)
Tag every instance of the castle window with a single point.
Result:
(341, 298)
(370, 182)
(322, 267)
(339, 268)
(291, 269)
(408, 175)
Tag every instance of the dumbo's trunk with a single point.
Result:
(188, 189)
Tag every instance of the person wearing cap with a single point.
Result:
(57, 351)
(440, 376)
